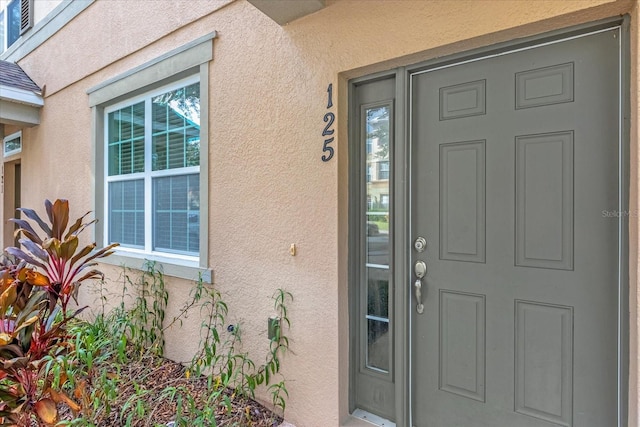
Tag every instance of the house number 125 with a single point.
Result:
(328, 131)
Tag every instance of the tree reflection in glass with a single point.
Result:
(377, 175)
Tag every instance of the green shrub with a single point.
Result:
(37, 283)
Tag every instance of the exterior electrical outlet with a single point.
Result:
(273, 324)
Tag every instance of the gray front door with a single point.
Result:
(515, 187)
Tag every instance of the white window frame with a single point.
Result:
(191, 60)
(148, 175)
(8, 138)
(383, 169)
(5, 20)
(384, 201)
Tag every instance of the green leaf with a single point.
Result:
(68, 247)
(106, 251)
(27, 323)
(7, 298)
(7, 396)
(76, 226)
(51, 245)
(84, 252)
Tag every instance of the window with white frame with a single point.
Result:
(383, 170)
(15, 19)
(12, 144)
(152, 171)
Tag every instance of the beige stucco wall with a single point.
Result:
(268, 187)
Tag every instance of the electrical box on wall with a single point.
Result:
(273, 327)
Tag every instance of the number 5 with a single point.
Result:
(326, 148)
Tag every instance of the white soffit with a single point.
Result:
(285, 11)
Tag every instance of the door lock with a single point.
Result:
(420, 244)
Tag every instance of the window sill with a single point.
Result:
(179, 268)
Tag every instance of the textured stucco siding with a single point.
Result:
(268, 187)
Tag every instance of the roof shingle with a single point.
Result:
(13, 76)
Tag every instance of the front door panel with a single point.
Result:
(515, 164)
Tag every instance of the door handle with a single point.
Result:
(420, 269)
(418, 289)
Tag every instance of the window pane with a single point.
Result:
(378, 292)
(159, 156)
(125, 138)
(176, 128)
(378, 345)
(126, 213)
(138, 155)
(137, 112)
(2, 29)
(176, 214)
(377, 184)
(13, 22)
(377, 283)
(176, 149)
(193, 146)
(383, 170)
(13, 146)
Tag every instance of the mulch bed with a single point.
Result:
(155, 374)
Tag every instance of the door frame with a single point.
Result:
(401, 200)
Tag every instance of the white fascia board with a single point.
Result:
(21, 96)
(21, 115)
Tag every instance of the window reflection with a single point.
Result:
(377, 185)
(378, 301)
(377, 174)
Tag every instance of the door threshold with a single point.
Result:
(361, 418)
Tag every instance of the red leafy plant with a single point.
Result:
(37, 282)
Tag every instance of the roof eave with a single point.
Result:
(285, 11)
(21, 96)
(20, 107)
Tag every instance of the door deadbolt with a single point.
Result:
(420, 244)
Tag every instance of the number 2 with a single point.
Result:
(329, 117)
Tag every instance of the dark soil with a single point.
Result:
(154, 375)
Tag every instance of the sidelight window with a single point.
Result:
(376, 325)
